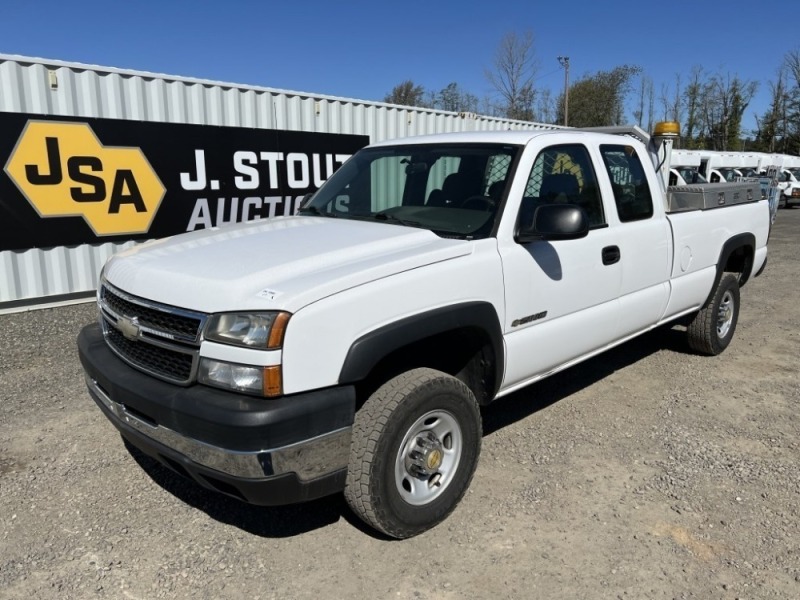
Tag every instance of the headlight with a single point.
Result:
(263, 381)
(251, 330)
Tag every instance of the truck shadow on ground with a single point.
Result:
(263, 521)
(292, 520)
(538, 396)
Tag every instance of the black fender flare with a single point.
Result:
(368, 350)
(742, 240)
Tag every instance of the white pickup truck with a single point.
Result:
(349, 347)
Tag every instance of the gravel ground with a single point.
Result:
(647, 472)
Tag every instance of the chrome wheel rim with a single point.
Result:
(428, 457)
(725, 315)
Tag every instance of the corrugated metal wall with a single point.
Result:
(90, 91)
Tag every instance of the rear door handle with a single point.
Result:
(611, 255)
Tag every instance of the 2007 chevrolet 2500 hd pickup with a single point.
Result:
(349, 347)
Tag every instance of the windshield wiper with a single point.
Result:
(382, 216)
(313, 210)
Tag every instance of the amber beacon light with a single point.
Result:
(667, 129)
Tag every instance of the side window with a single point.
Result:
(631, 191)
(563, 174)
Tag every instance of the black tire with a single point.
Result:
(713, 327)
(388, 483)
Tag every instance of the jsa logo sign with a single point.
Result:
(63, 170)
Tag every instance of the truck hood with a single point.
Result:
(284, 263)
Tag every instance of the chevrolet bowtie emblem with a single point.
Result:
(129, 327)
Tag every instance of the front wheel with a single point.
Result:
(712, 328)
(415, 447)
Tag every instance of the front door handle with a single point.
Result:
(611, 255)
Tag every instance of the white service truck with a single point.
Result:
(685, 168)
(784, 170)
(349, 348)
(720, 167)
(789, 184)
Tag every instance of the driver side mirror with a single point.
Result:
(554, 222)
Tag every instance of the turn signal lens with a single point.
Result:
(273, 381)
(278, 330)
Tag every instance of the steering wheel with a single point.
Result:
(484, 203)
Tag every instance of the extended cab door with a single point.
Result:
(642, 234)
(562, 297)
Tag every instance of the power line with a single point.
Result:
(547, 74)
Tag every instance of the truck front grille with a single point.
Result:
(172, 322)
(162, 362)
(158, 339)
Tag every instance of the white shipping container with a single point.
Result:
(55, 88)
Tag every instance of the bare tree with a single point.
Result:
(791, 117)
(639, 113)
(671, 100)
(772, 125)
(545, 107)
(453, 98)
(513, 73)
(725, 100)
(666, 101)
(487, 106)
(692, 100)
(792, 64)
(676, 110)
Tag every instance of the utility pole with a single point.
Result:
(564, 62)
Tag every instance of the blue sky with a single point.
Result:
(362, 49)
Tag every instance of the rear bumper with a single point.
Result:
(265, 452)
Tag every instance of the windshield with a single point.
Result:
(452, 190)
(729, 174)
(691, 175)
(795, 172)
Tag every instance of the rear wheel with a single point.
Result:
(713, 327)
(415, 447)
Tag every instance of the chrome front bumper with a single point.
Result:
(308, 460)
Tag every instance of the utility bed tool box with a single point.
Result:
(711, 195)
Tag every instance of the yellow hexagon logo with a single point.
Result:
(64, 171)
